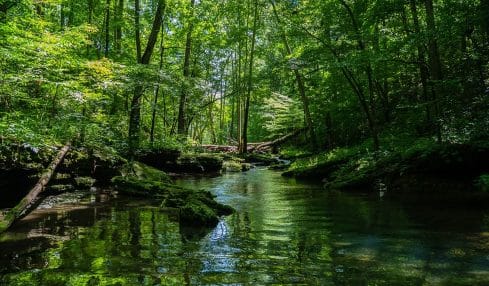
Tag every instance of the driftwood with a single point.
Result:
(26, 203)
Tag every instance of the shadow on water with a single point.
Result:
(283, 232)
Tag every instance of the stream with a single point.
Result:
(283, 232)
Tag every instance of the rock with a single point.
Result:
(264, 159)
(84, 182)
(195, 207)
(159, 158)
(196, 163)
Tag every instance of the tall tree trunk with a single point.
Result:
(299, 79)
(157, 88)
(107, 28)
(118, 25)
(369, 107)
(435, 64)
(137, 27)
(244, 143)
(182, 130)
(423, 68)
(90, 20)
(135, 111)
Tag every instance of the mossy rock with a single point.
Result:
(159, 158)
(196, 207)
(264, 159)
(84, 182)
(197, 213)
(316, 172)
(98, 164)
(197, 163)
(144, 172)
(235, 166)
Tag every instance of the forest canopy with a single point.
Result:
(126, 74)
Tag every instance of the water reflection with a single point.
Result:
(282, 233)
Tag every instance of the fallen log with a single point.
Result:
(278, 141)
(26, 203)
(228, 148)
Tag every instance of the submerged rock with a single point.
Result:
(236, 165)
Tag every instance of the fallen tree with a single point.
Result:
(272, 144)
(25, 205)
(260, 146)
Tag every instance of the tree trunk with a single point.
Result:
(423, 68)
(26, 203)
(244, 143)
(107, 28)
(118, 25)
(435, 64)
(182, 130)
(278, 141)
(157, 88)
(369, 107)
(299, 79)
(135, 110)
(138, 30)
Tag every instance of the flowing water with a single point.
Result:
(283, 232)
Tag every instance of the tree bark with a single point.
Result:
(107, 28)
(26, 203)
(423, 68)
(135, 110)
(435, 64)
(137, 27)
(278, 141)
(157, 88)
(182, 130)
(244, 143)
(118, 25)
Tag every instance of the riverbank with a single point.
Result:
(425, 169)
(90, 169)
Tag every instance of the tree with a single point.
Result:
(135, 110)
(182, 124)
(244, 139)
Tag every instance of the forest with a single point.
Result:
(386, 97)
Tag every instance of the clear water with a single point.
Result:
(283, 232)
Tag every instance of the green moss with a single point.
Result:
(144, 172)
(196, 207)
(266, 159)
(196, 213)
